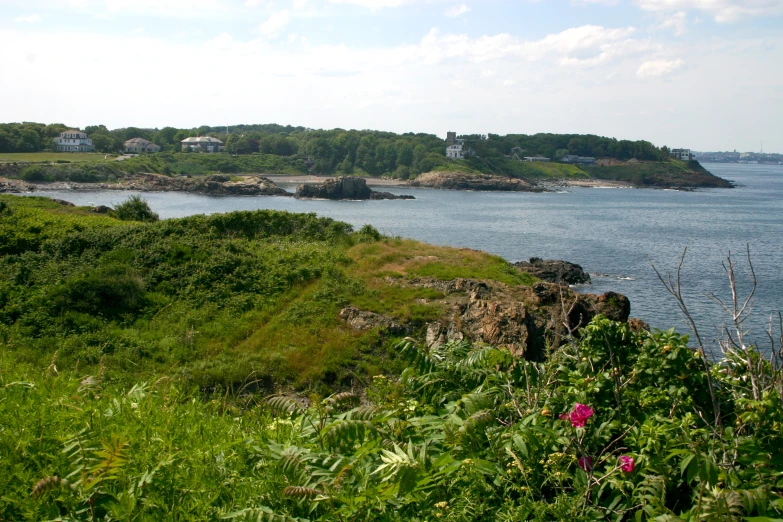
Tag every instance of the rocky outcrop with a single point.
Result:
(345, 187)
(480, 182)
(525, 320)
(361, 320)
(215, 185)
(554, 271)
(15, 186)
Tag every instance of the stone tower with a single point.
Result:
(451, 138)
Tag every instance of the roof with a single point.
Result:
(202, 139)
(73, 131)
(138, 141)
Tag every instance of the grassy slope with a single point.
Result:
(215, 300)
(52, 157)
(515, 169)
(672, 172)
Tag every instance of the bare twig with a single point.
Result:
(674, 287)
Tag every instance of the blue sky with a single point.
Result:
(704, 74)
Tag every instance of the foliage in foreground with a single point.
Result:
(616, 426)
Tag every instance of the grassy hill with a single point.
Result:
(213, 300)
(140, 361)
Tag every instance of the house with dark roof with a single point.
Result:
(139, 145)
(203, 144)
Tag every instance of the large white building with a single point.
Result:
(457, 150)
(682, 154)
(73, 141)
(203, 143)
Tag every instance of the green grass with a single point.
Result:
(53, 157)
(213, 301)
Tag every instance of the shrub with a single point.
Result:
(34, 173)
(135, 209)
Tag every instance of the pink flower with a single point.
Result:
(579, 416)
(586, 463)
(626, 464)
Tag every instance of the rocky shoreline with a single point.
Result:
(356, 187)
(525, 320)
(478, 182)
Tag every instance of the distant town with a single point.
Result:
(740, 157)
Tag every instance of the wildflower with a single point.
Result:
(586, 463)
(626, 464)
(442, 505)
(579, 416)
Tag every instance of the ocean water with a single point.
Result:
(615, 234)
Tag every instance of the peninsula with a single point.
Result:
(513, 162)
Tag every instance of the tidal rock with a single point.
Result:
(14, 186)
(101, 209)
(345, 187)
(554, 271)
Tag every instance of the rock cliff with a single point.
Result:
(345, 187)
(525, 320)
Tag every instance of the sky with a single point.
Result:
(699, 74)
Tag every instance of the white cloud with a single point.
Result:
(722, 11)
(415, 87)
(376, 4)
(457, 10)
(654, 68)
(676, 22)
(299, 4)
(32, 19)
(256, 3)
(593, 2)
(276, 22)
(138, 30)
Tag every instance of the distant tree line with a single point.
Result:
(346, 151)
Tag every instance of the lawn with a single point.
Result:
(51, 157)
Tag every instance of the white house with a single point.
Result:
(457, 150)
(682, 154)
(139, 145)
(73, 141)
(203, 143)
(536, 158)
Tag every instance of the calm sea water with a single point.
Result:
(613, 233)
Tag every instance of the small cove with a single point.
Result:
(612, 233)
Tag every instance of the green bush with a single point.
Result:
(35, 173)
(135, 209)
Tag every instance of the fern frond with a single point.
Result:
(281, 403)
(477, 422)
(347, 432)
(476, 401)
(48, 484)
(364, 413)
(301, 493)
(340, 399)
